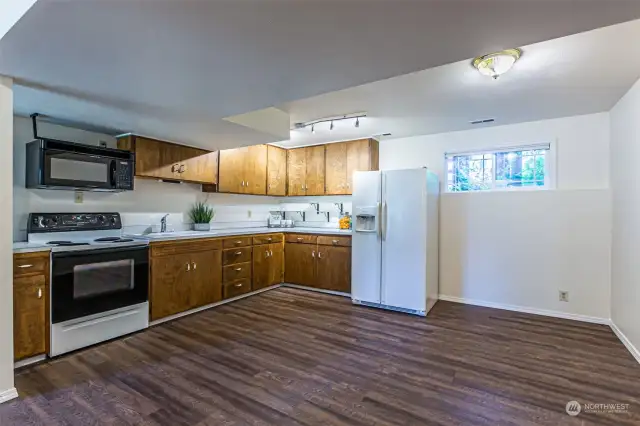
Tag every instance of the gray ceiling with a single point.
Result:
(174, 69)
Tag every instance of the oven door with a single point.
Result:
(79, 170)
(88, 282)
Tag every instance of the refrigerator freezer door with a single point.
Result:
(366, 244)
(404, 239)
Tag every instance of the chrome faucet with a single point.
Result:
(163, 223)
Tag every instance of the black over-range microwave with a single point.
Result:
(54, 164)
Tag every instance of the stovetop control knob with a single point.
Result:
(114, 220)
(101, 218)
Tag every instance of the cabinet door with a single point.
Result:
(29, 316)
(358, 159)
(205, 278)
(276, 263)
(300, 264)
(334, 268)
(197, 165)
(255, 174)
(336, 168)
(261, 267)
(296, 171)
(170, 292)
(314, 180)
(231, 170)
(276, 170)
(156, 159)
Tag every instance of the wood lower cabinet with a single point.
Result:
(164, 160)
(276, 171)
(30, 304)
(29, 316)
(334, 268)
(309, 262)
(267, 265)
(300, 264)
(185, 281)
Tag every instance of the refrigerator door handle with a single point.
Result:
(379, 220)
(384, 221)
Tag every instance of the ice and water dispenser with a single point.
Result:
(366, 219)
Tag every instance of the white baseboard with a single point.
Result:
(8, 395)
(317, 290)
(625, 341)
(527, 310)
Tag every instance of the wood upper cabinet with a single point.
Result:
(29, 316)
(296, 171)
(243, 170)
(300, 264)
(314, 174)
(165, 160)
(334, 268)
(276, 170)
(344, 158)
(336, 168)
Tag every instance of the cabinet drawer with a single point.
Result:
(233, 256)
(301, 238)
(236, 272)
(30, 263)
(236, 242)
(334, 240)
(169, 248)
(267, 239)
(236, 288)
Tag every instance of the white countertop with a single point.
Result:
(186, 235)
(25, 247)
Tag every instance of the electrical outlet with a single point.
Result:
(79, 197)
(564, 296)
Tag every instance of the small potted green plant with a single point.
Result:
(201, 215)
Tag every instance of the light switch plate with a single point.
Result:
(79, 197)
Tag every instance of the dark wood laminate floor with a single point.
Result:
(290, 357)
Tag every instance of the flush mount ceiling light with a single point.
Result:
(496, 64)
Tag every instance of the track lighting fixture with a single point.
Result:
(331, 120)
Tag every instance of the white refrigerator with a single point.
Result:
(394, 249)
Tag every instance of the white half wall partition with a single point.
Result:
(518, 249)
(625, 185)
(7, 390)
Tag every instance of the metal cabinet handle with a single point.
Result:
(25, 266)
(299, 239)
(269, 239)
(270, 252)
(335, 242)
(238, 285)
(313, 254)
(247, 183)
(175, 168)
(238, 269)
(319, 255)
(239, 242)
(182, 168)
(238, 253)
(188, 266)
(193, 265)
(266, 253)
(39, 293)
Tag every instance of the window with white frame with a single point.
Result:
(513, 168)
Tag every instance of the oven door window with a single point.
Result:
(81, 170)
(99, 279)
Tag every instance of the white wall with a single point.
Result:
(149, 196)
(625, 178)
(520, 249)
(6, 250)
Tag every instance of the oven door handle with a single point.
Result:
(94, 252)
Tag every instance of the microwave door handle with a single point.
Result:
(113, 168)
